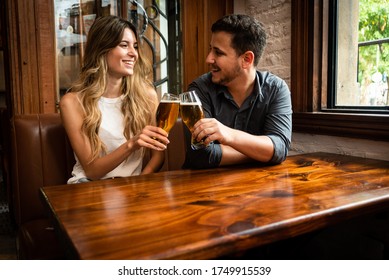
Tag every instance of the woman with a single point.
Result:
(109, 112)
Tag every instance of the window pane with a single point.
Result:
(73, 19)
(363, 53)
(158, 23)
(151, 20)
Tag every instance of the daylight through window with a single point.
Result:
(362, 54)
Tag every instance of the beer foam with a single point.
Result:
(169, 101)
(190, 103)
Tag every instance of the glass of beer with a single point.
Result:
(191, 111)
(167, 111)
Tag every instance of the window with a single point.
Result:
(361, 55)
(157, 23)
(317, 105)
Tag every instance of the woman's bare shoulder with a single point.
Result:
(152, 94)
(70, 106)
(151, 91)
(69, 99)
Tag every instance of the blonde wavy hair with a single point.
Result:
(105, 34)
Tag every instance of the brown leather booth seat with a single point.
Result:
(42, 156)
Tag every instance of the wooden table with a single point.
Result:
(206, 214)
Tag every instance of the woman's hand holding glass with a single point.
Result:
(151, 137)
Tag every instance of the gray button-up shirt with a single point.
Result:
(267, 111)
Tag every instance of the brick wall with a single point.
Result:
(276, 16)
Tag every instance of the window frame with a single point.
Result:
(310, 63)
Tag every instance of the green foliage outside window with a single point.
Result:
(374, 59)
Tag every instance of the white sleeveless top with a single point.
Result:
(111, 133)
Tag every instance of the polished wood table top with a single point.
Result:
(207, 214)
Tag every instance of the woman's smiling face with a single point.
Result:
(121, 59)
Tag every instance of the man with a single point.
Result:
(248, 113)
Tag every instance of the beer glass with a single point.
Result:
(167, 111)
(191, 111)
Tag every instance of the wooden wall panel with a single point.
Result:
(24, 63)
(31, 53)
(197, 19)
(47, 56)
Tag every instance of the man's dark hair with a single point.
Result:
(248, 34)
